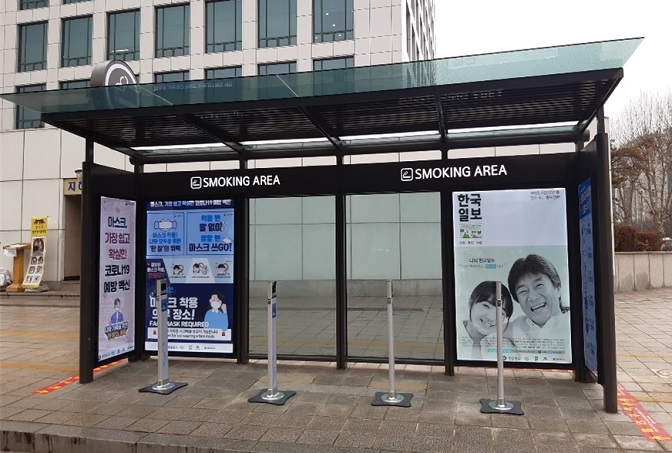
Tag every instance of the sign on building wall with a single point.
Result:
(518, 237)
(190, 243)
(116, 289)
(38, 250)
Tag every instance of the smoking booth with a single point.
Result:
(443, 176)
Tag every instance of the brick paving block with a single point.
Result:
(245, 432)
(210, 429)
(637, 443)
(595, 440)
(147, 425)
(317, 437)
(352, 439)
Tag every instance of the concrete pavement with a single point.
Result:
(331, 411)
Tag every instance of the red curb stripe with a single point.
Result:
(67, 381)
(640, 417)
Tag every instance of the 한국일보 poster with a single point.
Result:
(190, 243)
(116, 309)
(517, 237)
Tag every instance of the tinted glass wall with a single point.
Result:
(292, 240)
(395, 237)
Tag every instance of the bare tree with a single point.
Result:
(642, 161)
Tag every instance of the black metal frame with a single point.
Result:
(575, 97)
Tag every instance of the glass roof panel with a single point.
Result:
(443, 72)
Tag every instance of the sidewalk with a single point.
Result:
(331, 411)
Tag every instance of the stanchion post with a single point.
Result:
(500, 405)
(391, 398)
(272, 395)
(163, 386)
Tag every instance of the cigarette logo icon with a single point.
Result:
(196, 182)
(407, 174)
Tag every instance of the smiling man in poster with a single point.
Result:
(517, 237)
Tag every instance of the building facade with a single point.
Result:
(55, 44)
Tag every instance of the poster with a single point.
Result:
(38, 250)
(116, 288)
(518, 237)
(190, 243)
(588, 276)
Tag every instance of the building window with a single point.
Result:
(76, 42)
(178, 76)
(25, 117)
(223, 26)
(32, 47)
(172, 31)
(333, 20)
(73, 84)
(123, 35)
(277, 68)
(277, 23)
(224, 73)
(32, 4)
(333, 63)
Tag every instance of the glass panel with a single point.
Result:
(409, 254)
(179, 76)
(224, 73)
(448, 71)
(172, 31)
(33, 47)
(65, 2)
(301, 257)
(76, 43)
(32, 4)
(27, 118)
(223, 26)
(277, 23)
(123, 42)
(333, 20)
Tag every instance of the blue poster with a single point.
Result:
(587, 276)
(190, 244)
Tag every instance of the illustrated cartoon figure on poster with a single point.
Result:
(38, 245)
(118, 327)
(222, 268)
(199, 269)
(480, 330)
(217, 317)
(40, 260)
(536, 286)
(31, 270)
(117, 315)
(33, 260)
(178, 269)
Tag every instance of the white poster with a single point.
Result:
(518, 237)
(116, 289)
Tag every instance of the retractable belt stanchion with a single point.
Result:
(500, 406)
(391, 398)
(163, 385)
(272, 395)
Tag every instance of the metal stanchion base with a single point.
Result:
(163, 389)
(279, 398)
(383, 399)
(509, 407)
